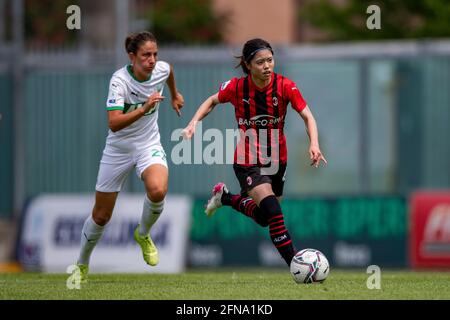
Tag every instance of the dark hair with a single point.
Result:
(251, 47)
(135, 40)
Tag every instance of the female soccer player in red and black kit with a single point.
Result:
(260, 99)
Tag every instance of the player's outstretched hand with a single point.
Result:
(316, 155)
(154, 98)
(177, 103)
(189, 131)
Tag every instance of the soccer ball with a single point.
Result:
(309, 266)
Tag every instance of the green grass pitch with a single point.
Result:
(227, 284)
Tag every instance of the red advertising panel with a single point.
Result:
(430, 229)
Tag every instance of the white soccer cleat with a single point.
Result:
(215, 202)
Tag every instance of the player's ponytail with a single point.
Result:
(135, 40)
(251, 47)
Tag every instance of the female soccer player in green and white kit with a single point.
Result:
(133, 141)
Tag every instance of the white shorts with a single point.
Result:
(117, 164)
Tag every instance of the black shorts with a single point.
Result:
(250, 177)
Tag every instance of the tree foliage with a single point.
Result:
(45, 22)
(186, 21)
(399, 19)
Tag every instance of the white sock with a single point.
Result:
(150, 213)
(90, 235)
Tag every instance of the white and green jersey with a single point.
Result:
(127, 93)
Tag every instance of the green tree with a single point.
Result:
(45, 22)
(186, 22)
(399, 19)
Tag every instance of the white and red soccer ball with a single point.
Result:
(309, 266)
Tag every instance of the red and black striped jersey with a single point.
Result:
(260, 114)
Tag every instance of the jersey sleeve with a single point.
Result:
(227, 92)
(164, 68)
(116, 95)
(294, 96)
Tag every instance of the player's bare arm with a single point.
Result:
(118, 120)
(205, 108)
(311, 128)
(177, 99)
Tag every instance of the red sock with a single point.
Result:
(248, 207)
(279, 234)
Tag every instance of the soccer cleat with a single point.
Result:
(84, 270)
(216, 200)
(149, 251)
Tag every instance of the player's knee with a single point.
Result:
(101, 215)
(270, 207)
(101, 219)
(260, 217)
(157, 194)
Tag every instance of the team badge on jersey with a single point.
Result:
(275, 101)
(249, 181)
